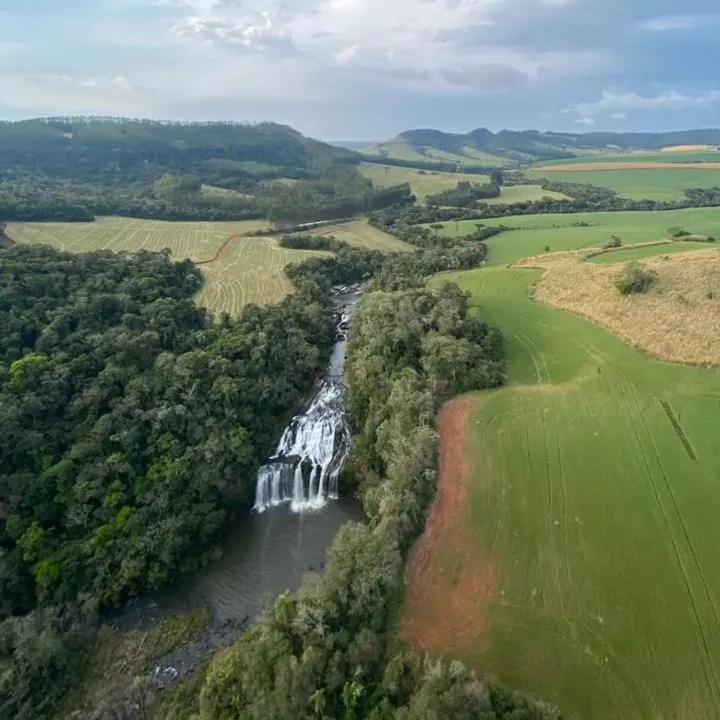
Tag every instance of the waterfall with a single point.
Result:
(306, 465)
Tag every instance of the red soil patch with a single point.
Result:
(448, 582)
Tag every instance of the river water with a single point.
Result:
(266, 553)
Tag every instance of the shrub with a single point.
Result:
(634, 279)
(695, 238)
(677, 232)
(613, 242)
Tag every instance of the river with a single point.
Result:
(267, 551)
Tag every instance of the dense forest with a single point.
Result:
(131, 419)
(72, 169)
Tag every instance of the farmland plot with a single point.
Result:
(238, 269)
(583, 564)
(580, 562)
(194, 240)
(250, 270)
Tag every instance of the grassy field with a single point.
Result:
(403, 151)
(689, 156)
(674, 320)
(423, 183)
(523, 193)
(468, 156)
(560, 232)
(649, 183)
(583, 564)
(360, 234)
(249, 269)
(397, 149)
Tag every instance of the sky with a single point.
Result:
(367, 69)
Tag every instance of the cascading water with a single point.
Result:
(305, 468)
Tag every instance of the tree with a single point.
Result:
(634, 279)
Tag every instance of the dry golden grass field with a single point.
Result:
(676, 320)
(688, 148)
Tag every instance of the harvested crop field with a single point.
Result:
(239, 269)
(361, 234)
(194, 240)
(675, 320)
(592, 494)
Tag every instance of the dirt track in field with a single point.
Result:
(220, 250)
(448, 582)
(587, 167)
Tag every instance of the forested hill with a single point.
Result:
(530, 145)
(74, 169)
(92, 150)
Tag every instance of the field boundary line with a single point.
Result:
(678, 429)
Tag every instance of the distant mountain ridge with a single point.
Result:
(532, 145)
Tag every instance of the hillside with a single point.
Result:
(481, 146)
(74, 169)
(225, 154)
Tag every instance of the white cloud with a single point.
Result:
(584, 121)
(396, 37)
(62, 93)
(346, 55)
(665, 23)
(618, 116)
(614, 103)
(248, 31)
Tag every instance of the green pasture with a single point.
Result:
(422, 182)
(656, 184)
(397, 149)
(593, 493)
(401, 150)
(468, 156)
(427, 182)
(561, 232)
(677, 157)
(522, 193)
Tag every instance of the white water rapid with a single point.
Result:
(305, 468)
